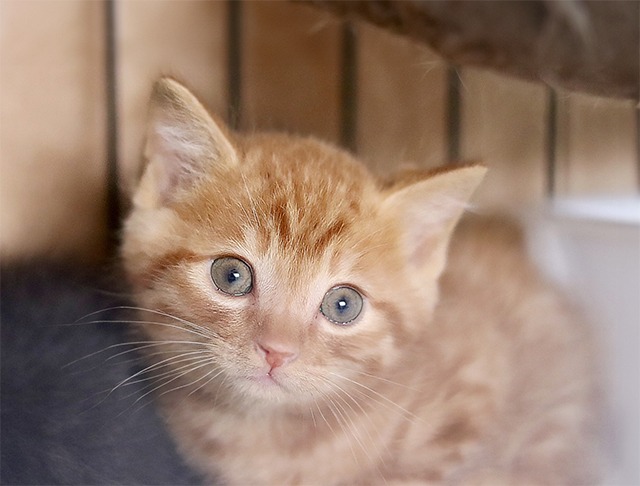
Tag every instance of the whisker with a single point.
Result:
(192, 382)
(142, 322)
(130, 382)
(377, 394)
(145, 356)
(385, 380)
(366, 415)
(413, 419)
(103, 350)
(315, 402)
(145, 370)
(353, 427)
(337, 414)
(194, 367)
(342, 425)
(196, 380)
(134, 346)
(341, 393)
(143, 309)
(184, 358)
(203, 363)
(313, 418)
(215, 400)
(158, 382)
(131, 379)
(207, 382)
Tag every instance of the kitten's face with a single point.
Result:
(291, 273)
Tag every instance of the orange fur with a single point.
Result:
(479, 376)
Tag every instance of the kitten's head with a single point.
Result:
(288, 267)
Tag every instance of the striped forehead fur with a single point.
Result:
(296, 194)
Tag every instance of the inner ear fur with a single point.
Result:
(183, 143)
(427, 207)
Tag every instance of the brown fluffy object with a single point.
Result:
(589, 46)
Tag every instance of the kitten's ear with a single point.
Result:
(428, 211)
(183, 143)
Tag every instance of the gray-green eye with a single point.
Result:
(232, 276)
(341, 305)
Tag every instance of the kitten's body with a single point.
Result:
(487, 382)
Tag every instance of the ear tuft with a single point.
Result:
(428, 211)
(183, 143)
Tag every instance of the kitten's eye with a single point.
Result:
(232, 276)
(341, 305)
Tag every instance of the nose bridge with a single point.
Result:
(280, 328)
(284, 310)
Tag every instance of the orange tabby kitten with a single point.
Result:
(309, 324)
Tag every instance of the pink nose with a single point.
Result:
(276, 356)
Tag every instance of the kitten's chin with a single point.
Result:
(269, 390)
(266, 381)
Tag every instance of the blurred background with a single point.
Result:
(75, 77)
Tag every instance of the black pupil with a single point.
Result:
(342, 305)
(233, 275)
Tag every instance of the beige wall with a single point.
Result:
(52, 114)
(52, 123)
